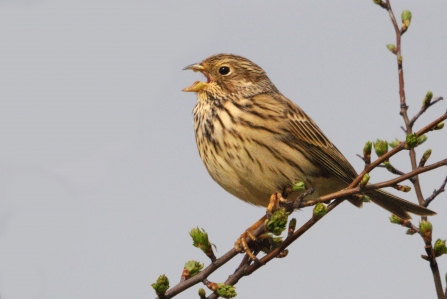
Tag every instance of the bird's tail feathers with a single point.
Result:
(396, 205)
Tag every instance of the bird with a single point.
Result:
(255, 142)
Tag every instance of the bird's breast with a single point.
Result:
(243, 150)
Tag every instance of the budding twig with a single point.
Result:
(423, 109)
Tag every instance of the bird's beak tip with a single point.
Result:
(196, 67)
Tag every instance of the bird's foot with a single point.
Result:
(242, 243)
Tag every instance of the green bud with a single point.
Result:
(427, 99)
(202, 293)
(439, 126)
(388, 166)
(193, 267)
(406, 188)
(367, 152)
(412, 141)
(226, 290)
(367, 148)
(366, 198)
(394, 219)
(161, 285)
(425, 229)
(424, 158)
(380, 3)
(277, 223)
(440, 247)
(403, 188)
(427, 154)
(298, 186)
(392, 48)
(292, 226)
(406, 19)
(422, 139)
(380, 147)
(365, 179)
(283, 254)
(400, 58)
(394, 143)
(200, 239)
(319, 210)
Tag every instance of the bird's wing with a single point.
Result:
(320, 149)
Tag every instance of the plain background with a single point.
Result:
(100, 179)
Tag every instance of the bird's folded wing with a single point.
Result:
(320, 149)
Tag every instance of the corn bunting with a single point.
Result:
(255, 142)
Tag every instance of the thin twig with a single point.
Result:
(407, 223)
(436, 193)
(423, 109)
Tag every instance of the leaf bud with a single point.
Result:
(365, 180)
(277, 223)
(161, 285)
(298, 186)
(193, 267)
(440, 247)
(411, 141)
(422, 139)
(380, 147)
(392, 48)
(319, 210)
(202, 293)
(226, 290)
(394, 143)
(439, 126)
(426, 229)
(427, 99)
(406, 19)
(394, 219)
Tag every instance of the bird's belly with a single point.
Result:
(253, 165)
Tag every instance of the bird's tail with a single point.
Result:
(396, 205)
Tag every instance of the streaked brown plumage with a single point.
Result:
(256, 142)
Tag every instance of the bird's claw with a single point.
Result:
(241, 245)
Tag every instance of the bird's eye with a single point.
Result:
(224, 70)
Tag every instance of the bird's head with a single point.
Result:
(228, 74)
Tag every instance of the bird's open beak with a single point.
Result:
(198, 85)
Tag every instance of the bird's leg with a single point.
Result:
(275, 200)
(241, 244)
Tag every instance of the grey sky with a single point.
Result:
(100, 179)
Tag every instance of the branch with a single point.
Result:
(409, 125)
(350, 190)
